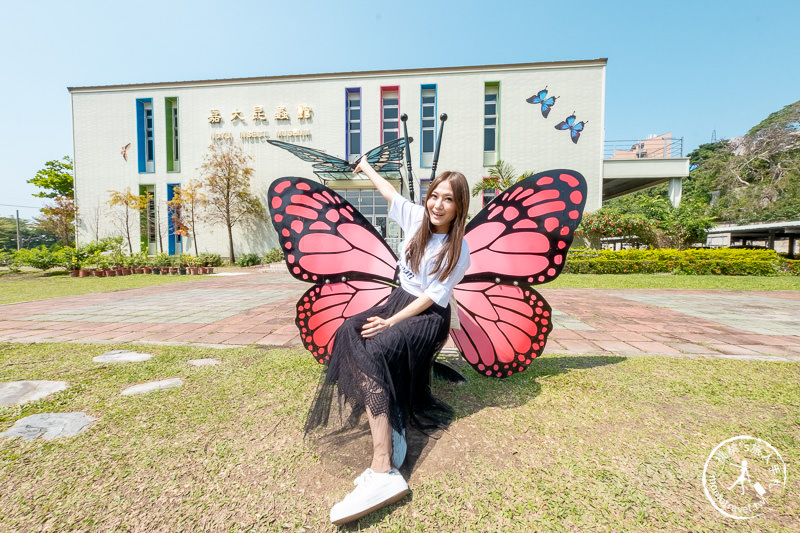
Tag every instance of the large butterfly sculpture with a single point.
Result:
(519, 240)
(542, 98)
(575, 128)
(385, 159)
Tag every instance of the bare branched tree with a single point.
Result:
(126, 207)
(226, 174)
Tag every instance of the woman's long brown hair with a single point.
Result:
(448, 258)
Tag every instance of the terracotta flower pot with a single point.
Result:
(82, 273)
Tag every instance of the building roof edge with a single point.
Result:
(335, 75)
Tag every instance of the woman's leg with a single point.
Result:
(381, 442)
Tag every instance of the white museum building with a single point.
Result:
(152, 137)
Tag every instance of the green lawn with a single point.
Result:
(670, 281)
(26, 286)
(575, 443)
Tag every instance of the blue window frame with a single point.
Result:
(145, 145)
(427, 125)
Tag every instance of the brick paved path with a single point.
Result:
(258, 308)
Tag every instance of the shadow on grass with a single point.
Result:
(480, 392)
(467, 398)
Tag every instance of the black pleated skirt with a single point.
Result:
(389, 373)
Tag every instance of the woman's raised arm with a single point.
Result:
(386, 189)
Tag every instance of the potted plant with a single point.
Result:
(191, 265)
(103, 269)
(163, 262)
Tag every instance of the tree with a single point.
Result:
(226, 176)
(125, 209)
(502, 175)
(186, 206)
(30, 235)
(56, 178)
(58, 218)
(648, 220)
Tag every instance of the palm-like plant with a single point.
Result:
(503, 176)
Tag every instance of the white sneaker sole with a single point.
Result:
(355, 516)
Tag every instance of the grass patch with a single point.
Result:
(574, 443)
(670, 281)
(27, 286)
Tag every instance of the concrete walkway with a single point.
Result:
(258, 308)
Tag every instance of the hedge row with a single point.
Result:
(723, 261)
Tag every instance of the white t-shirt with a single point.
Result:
(410, 216)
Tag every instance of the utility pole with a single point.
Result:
(19, 240)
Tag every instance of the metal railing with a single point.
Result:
(653, 148)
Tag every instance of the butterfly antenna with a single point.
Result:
(404, 118)
(443, 118)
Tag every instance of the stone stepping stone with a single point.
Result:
(204, 362)
(144, 388)
(122, 356)
(49, 425)
(20, 392)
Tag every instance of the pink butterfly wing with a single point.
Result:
(323, 308)
(524, 234)
(520, 239)
(503, 327)
(323, 237)
(326, 241)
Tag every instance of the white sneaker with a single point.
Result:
(373, 491)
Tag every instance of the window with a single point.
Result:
(147, 221)
(428, 125)
(390, 113)
(173, 151)
(174, 226)
(369, 203)
(144, 134)
(490, 124)
(488, 194)
(353, 123)
(424, 185)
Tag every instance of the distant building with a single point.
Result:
(654, 147)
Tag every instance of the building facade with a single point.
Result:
(152, 137)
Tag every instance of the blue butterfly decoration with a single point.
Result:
(575, 128)
(386, 159)
(542, 98)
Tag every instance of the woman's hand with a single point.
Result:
(386, 189)
(363, 166)
(374, 326)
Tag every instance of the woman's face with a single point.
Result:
(441, 207)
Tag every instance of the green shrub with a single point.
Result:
(273, 256)
(791, 267)
(210, 260)
(721, 261)
(8, 259)
(248, 260)
(42, 258)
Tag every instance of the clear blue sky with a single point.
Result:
(687, 67)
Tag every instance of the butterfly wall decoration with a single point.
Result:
(385, 159)
(124, 151)
(517, 241)
(546, 102)
(575, 128)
